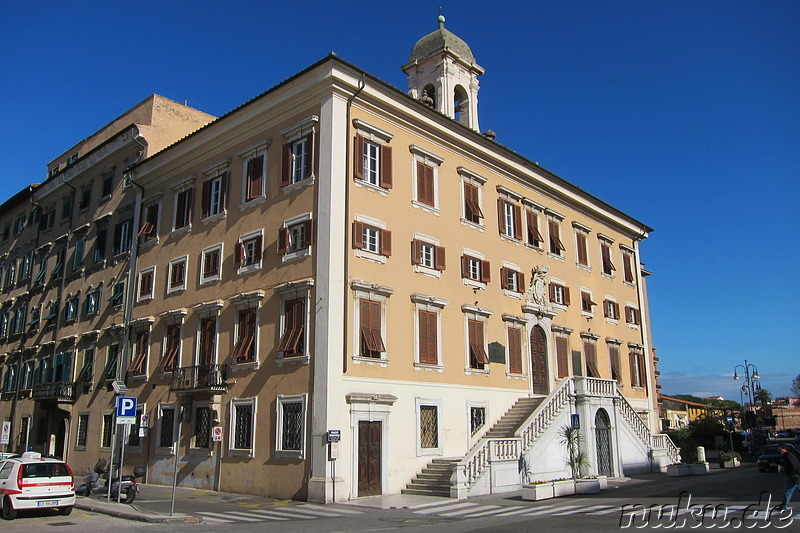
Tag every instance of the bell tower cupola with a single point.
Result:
(442, 73)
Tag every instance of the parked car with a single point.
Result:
(30, 481)
(772, 458)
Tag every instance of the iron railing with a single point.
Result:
(58, 391)
(211, 377)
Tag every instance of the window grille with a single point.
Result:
(429, 426)
(202, 427)
(477, 418)
(292, 438)
(243, 436)
(167, 428)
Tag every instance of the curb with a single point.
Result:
(103, 508)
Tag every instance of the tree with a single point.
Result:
(796, 386)
(764, 396)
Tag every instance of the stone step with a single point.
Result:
(444, 492)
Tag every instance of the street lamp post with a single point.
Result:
(749, 387)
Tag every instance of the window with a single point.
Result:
(428, 337)
(587, 305)
(213, 201)
(58, 269)
(562, 352)
(426, 178)
(211, 265)
(87, 370)
(247, 252)
(559, 293)
(100, 244)
(295, 237)
(83, 428)
(632, 316)
(92, 303)
(627, 265)
(4, 325)
(298, 160)
(373, 162)
(11, 273)
(26, 266)
(108, 183)
(52, 313)
(183, 209)
(19, 224)
(108, 430)
(477, 351)
(512, 280)
(426, 184)
(28, 375)
(581, 244)
(245, 349)
(370, 329)
(146, 282)
(78, 254)
(6, 231)
(616, 367)
(610, 309)
(637, 366)
(86, 196)
(133, 435)
(605, 252)
(117, 294)
(172, 348)
(254, 171)
(149, 228)
(66, 208)
(48, 219)
(207, 345)
(514, 350)
(110, 370)
(242, 429)
(167, 426)
(71, 306)
(202, 427)
(372, 239)
(475, 268)
(509, 221)
(590, 354)
(18, 319)
(429, 427)
(10, 379)
(477, 419)
(554, 233)
(139, 349)
(122, 237)
(291, 426)
(428, 255)
(293, 340)
(472, 203)
(177, 274)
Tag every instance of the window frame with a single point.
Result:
(248, 252)
(555, 246)
(425, 196)
(431, 306)
(436, 404)
(146, 282)
(171, 285)
(218, 249)
(241, 343)
(183, 207)
(281, 402)
(254, 192)
(589, 349)
(248, 451)
(383, 239)
(287, 247)
(167, 450)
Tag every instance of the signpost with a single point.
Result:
(576, 421)
(5, 435)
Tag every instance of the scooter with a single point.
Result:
(125, 490)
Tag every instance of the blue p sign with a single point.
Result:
(126, 407)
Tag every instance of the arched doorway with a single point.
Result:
(602, 429)
(539, 361)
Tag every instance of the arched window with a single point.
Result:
(461, 105)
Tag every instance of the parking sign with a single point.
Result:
(126, 410)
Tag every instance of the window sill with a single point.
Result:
(173, 290)
(370, 361)
(145, 298)
(474, 284)
(200, 452)
(293, 359)
(371, 256)
(560, 307)
(607, 276)
(429, 367)
(214, 218)
(165, 451)
(296, 255)
(521, 377)
(557, 257)
(587, 268)
(308, 182)
(509, 238)
(371, 187)
(427, 271)
(512, 294)
(425, 207)
(248, 204)
(137, 376)
(247, 454)
(286, 454)
(587, 314)
(180, 231)
(423, 452)
(206, 281)
(473, 225)
(614, 321)
(249, 365)
(148, 243)
(629, 283)
(633, 326)
(104, 199)
(476, 372)
(249, 268)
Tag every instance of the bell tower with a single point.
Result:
(442, 74)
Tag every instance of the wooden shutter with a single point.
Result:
(626, 263)
(514, 351)
(310, 154)
(566, 295)
(517, 222)
(206, 199)
(286, 166)
(581, 240)
(308, 227)
(504, 277)
(386, 242)
(238, 252)
(358, 157)
(465, 266)
(633, 367)
(259, 242)
(386, 167)
(501, 216)
(562, 357)
(427, 338)
(223, 191)
(416, 252)
(551, 289)
(255, 176)
(613, 354)
(283, 240)
(425, 185)
(591, 359)
(173, 345)
(534, 237)
(521, 281)
(475, 333)
(438, 258)
(486, 273)
(358, 235)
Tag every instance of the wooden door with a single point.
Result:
(539, 361)
(369, 458)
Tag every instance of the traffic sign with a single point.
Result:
(5, 434)
(575, 420)
(216, 434)
(334, 435)
(126, 410)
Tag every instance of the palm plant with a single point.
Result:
(578, 461)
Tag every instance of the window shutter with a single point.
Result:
(517, 222)
(255, 173)
(501, 216)
(386, 242)
(358, 235)
(286, 170)
(464, 266)
(180, 209)
(416, 252)
(521, 281)
(534, 237)
(581, 239)
(514, 351)
(206, 199)
(503, 278)
(551, 289)
(238, 251)
(386, 167)
(626, 263)
(258, 244)
(486, 274)
(283, 240)
(438, 258)
(310, 148)
(308, 226)
(223, 190)
(358, 157)
(606, 307)
(562, 357)
(420, 181)
(633, 366)
(566, 295)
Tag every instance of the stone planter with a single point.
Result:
(678, 470)
(603, 482)
(733, 463)
(563, 488)
(538, 491)
(587, 486)
(698, 469)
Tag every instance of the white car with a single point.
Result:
(30, 481)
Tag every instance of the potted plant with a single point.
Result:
(577, 460)
(563, 487)
(696, 469)
(679, 469)
(730, 459)
(538, 490)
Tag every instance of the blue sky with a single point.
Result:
(684, 114)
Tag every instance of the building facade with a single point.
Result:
(338, 283)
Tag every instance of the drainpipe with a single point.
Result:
(645, 325)
(350, 100)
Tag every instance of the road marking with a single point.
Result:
(580, 510)
(340, 510)
(448, 507)
(226, 517)
(212, 520)
(605, 511)
(248, 517)
(280, 515)
(515, 510)
(567, 509)
(478, 509)
(315, 512)
(542, 510)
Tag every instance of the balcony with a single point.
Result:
(60, 391)
(212, 378)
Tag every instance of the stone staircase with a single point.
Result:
(434, 480)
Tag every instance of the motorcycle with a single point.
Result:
(124, 490)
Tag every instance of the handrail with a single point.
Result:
(541, 417)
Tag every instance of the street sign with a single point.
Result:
(576, 421)
(216, 434)
(126, 410)
(5, 435)
(334, 435)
